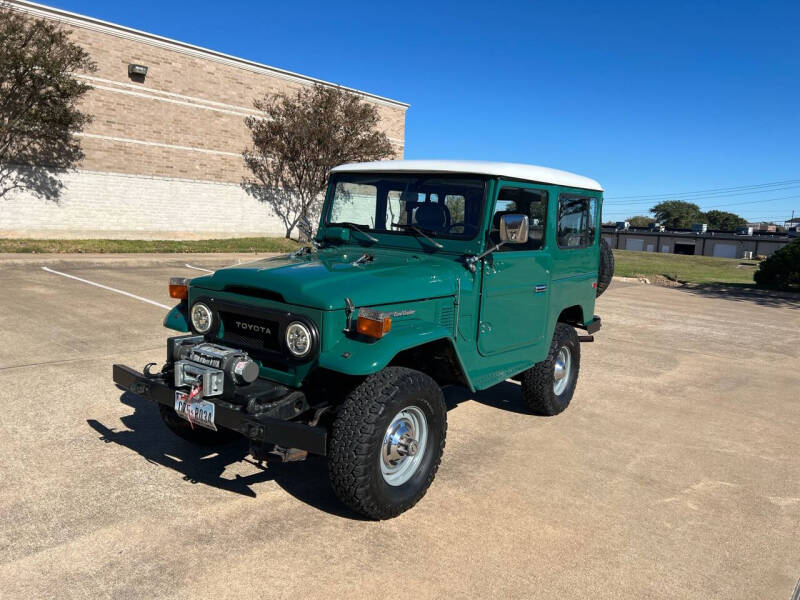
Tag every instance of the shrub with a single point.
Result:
(782, 269)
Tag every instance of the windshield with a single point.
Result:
(444, 206)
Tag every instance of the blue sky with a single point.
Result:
(649, 98)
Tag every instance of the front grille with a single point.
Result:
(251, 332)
(246, 290)
(259, 332)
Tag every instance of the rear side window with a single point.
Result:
(576, 221)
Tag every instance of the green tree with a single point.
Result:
(39, 94)
(640, 221)
(782, 269)
(676, 214)
(299, 138)
(724, 221)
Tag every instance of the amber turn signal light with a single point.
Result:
(179, 288)
(373, 323)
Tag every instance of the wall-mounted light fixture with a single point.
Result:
(137, 70)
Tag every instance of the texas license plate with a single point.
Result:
(199, 413)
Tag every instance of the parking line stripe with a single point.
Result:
(105, 287)
(198, 268)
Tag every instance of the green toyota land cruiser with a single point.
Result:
(422, 274)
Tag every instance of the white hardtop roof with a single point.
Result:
(483, 167)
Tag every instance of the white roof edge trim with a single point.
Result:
(78, 20)
(499, 169)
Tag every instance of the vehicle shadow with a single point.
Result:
(744, 293)
(148, 436)
(505, 396)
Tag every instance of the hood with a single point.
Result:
(323, 280)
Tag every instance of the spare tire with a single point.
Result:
(606, 270)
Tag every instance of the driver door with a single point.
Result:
(516, 278)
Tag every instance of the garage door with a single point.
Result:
(725, 250)
(634, 245)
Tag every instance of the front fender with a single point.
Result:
(354, 356)
(178, 318)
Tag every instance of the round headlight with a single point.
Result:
(201, 317)
(298, 339)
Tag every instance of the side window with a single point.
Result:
(576, 221)
(526, 201)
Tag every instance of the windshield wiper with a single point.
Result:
(418, 231)
(355, 227)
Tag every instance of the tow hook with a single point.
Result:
(141, 389)
(267, 452)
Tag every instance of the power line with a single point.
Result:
(754, 201)
(710, 190)
(726, 205)
(705, 196)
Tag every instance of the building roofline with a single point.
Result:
(717, 235)
(78, 20)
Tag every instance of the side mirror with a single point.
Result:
(514, 229)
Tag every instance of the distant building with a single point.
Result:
(722, 244)
(768, 227)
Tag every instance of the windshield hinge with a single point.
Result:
(349, 309)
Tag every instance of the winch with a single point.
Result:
(209, 366)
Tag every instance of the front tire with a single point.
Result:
(547, 387)
(387, 442)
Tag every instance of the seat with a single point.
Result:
(432, 216)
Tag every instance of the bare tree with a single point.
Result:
(39, 94)
(299, 138)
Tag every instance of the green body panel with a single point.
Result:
(494, 319)
(177, 318)
(325, 279)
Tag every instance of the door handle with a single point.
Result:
(540, 288)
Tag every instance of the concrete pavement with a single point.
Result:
(673, 474)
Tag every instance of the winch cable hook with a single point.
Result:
(193, 394)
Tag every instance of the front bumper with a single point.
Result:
(258, 428)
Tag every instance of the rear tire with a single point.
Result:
(547, 387)
(387, 442)
(199, 436)
(606, 271)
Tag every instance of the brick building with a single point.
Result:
(163, 153)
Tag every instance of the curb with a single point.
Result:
(210, 259)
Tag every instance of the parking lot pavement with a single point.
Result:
(673, 474)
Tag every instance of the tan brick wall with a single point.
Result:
(163, 156)
(190, 100)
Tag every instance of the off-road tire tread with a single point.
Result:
(354, 434)
(537, 382)
(606, 271)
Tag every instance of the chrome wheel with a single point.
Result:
(403, 446)
(562, 370)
